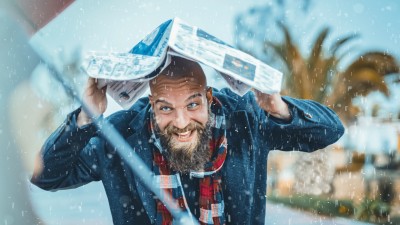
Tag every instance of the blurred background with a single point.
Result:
(344, 54)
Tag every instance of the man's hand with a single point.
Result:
(95, 99)
(273, 104)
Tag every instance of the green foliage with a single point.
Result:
(372, 210)
(391, 221)
(329, 207)
(369, 210)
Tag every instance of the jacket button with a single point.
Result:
(308, 115)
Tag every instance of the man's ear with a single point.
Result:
(209, 95)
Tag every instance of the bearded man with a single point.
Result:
(207, 148)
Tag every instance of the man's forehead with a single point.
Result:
(184, 85)
(181, 97)
(177, 92)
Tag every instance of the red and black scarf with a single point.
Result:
(211, 203)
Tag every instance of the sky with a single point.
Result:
(117, 26)
(376, 22)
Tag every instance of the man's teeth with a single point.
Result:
(184, 135)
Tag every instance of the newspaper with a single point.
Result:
(127, 74)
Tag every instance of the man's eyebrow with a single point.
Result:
(189, 98)
(194, 96)
(162, 101)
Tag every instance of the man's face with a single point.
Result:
(179, 102)
(181, 110)
(180, 105)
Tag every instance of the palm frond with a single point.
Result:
(366, 77)
(317, 47)
(277, 48)
(289, 47)
(341, 42)
(301, 83)
(383, 63)
(325, 75)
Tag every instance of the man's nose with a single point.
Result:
(181, 119)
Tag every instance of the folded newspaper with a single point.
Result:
(127, 74)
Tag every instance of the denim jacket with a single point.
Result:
(75, 156)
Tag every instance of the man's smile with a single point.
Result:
(185, 136)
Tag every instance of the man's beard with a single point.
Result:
(186, 156)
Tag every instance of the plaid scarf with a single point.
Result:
(210, 184)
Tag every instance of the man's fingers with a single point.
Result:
(261, 97)
(260, 94)
(92, 88)
(91, 81)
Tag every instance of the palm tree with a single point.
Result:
(317, 76)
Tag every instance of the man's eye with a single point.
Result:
(165, 108)
(192, 105)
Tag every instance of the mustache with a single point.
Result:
(193, 125)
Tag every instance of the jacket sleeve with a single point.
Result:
(68, 157)
(313, 126)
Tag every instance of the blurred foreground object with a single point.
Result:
(37, 13)
(17, 61)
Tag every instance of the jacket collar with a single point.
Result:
(228, 99)
(138, 123)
